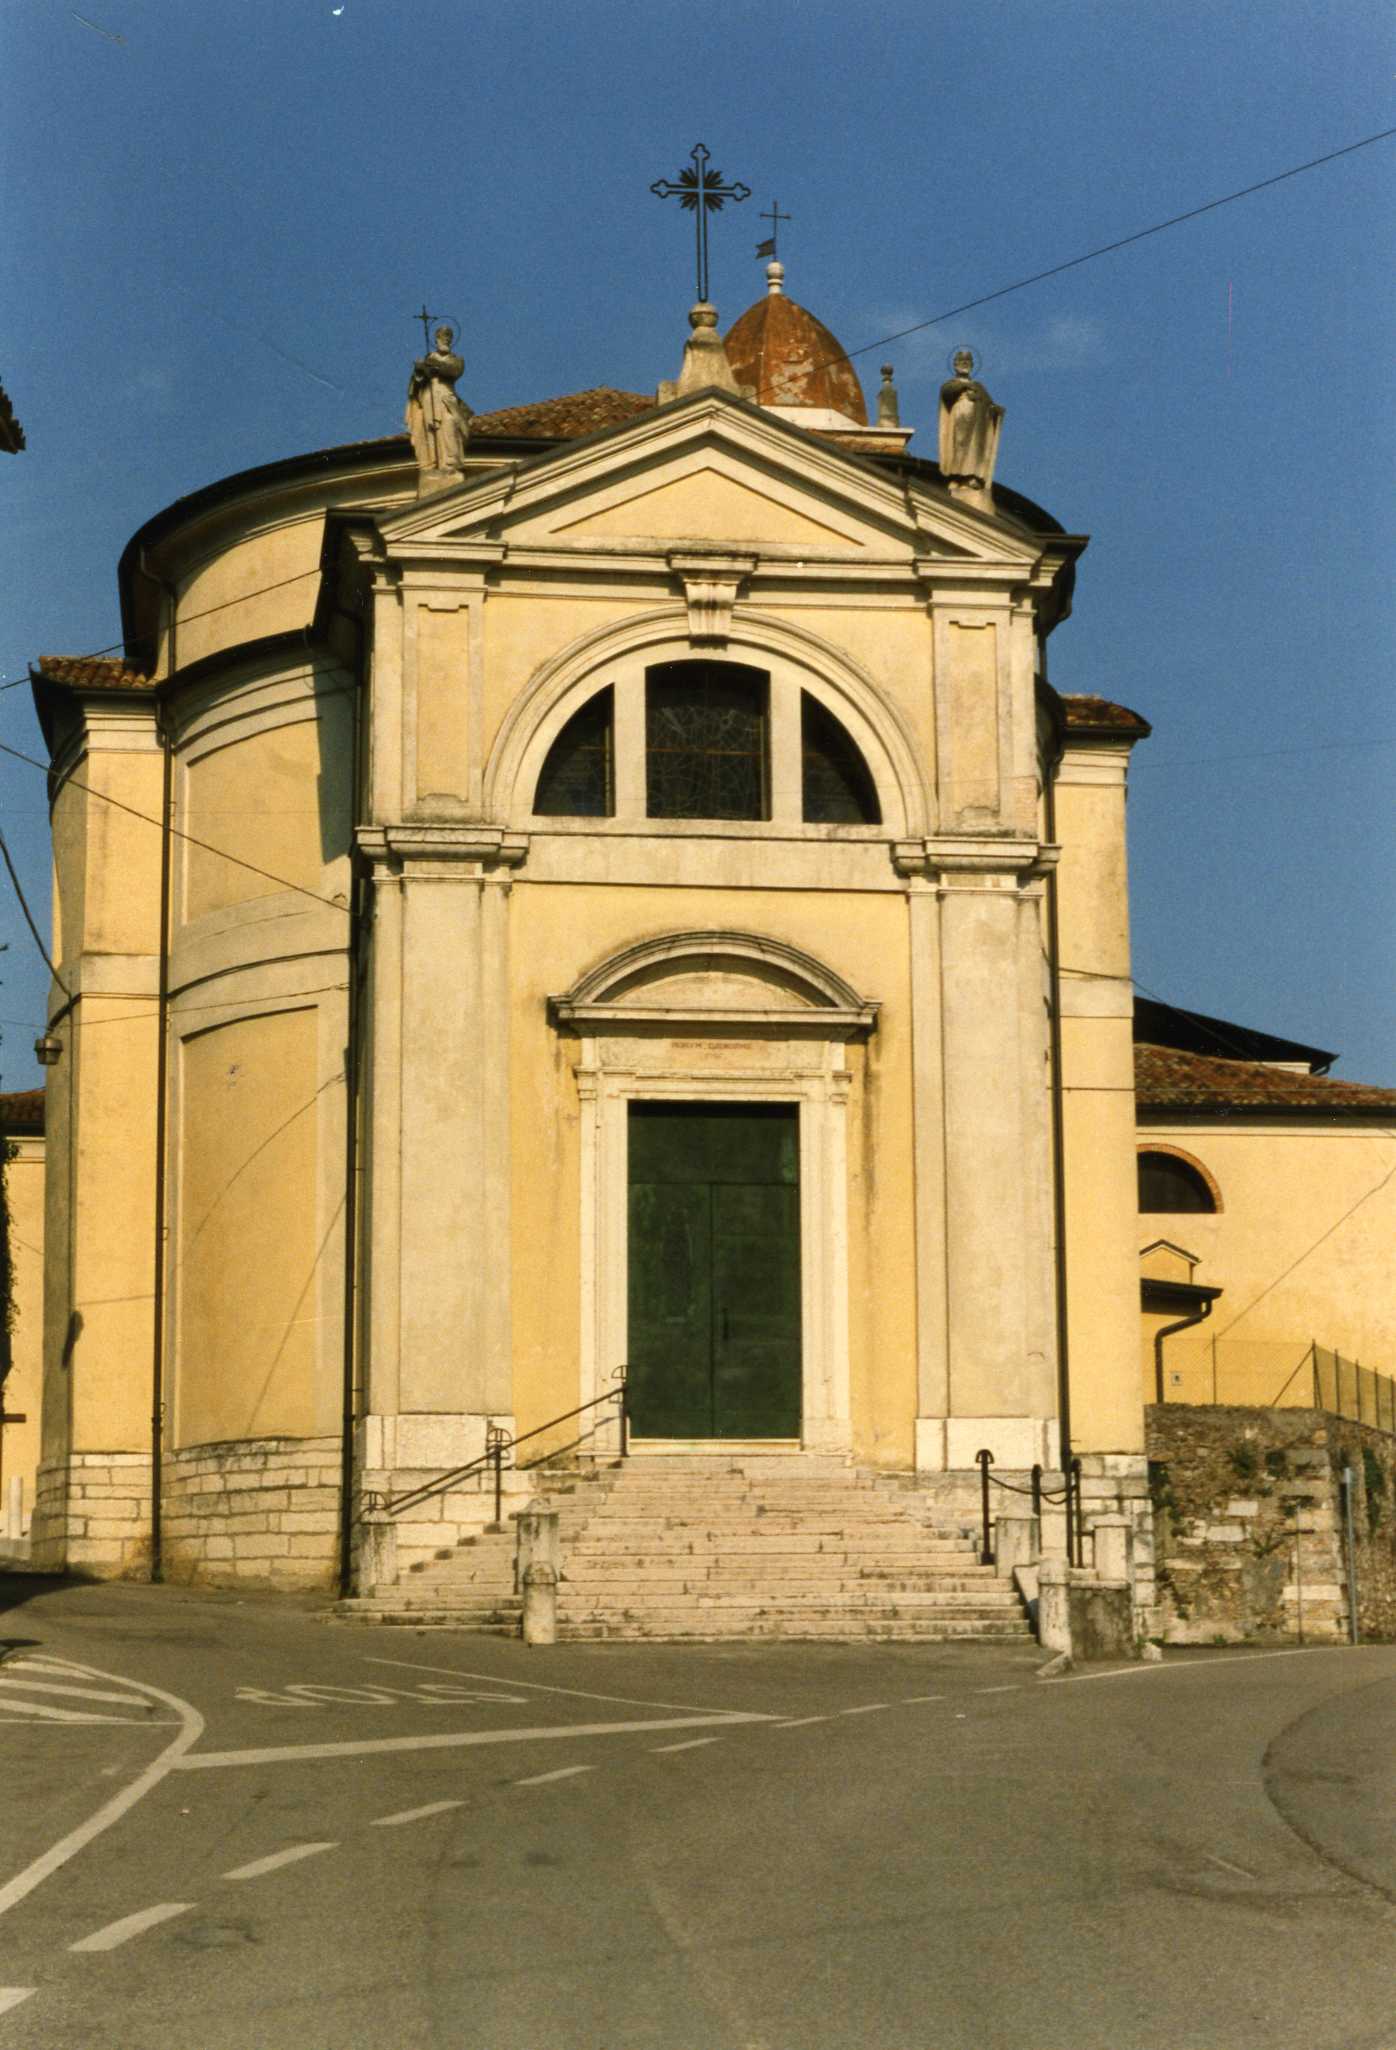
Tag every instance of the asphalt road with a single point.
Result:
(227, 1825)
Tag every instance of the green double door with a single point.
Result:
(714, 1264)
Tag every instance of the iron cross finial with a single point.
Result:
(700, 192)
(775, 217)
(425, 318)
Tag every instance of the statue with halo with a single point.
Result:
(970, 425)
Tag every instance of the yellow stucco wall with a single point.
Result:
(23, 1388)
(247, 1265)
(279, 799)
(1301, 1247)
(1098, 1103)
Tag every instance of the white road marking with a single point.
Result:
(910, 1698)
(131, 1925)
(294, 1754)
(797, 1722)
(77, 1693)
(53, 1859)
(691, 1744)
(11, 1710)
(1183, 1665)
(868, 1708)
(273, 1862)
(564, 1772)
(1227, 1866)
(1012, 1688)
(581, 1693)
(414, 1814)
(11, 1996)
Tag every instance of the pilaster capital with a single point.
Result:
(971, 859)
(460, 851)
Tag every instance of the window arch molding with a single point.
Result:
(795, 659)
(1189, 1161)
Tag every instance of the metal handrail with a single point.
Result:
(498, 1442)
(1069, 1493)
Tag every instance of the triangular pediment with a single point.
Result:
(704, 471)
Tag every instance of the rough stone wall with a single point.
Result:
(253, 1512)
(1249, 1524)
(92, 1515)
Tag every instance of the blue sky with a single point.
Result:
(220, 217)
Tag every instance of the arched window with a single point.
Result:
(576, 779)
(705, 741)
(1168, 1183)
(837, 789)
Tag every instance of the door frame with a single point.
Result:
(821, 1095)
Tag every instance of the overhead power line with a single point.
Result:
(1123, 242)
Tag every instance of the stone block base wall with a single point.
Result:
(253, 1512)
(1249, 1513)
(92, 1515)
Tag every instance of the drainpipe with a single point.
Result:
(1166, 1331)
(162, 1021)
(352, 1061)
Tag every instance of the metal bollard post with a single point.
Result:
(985, 1460)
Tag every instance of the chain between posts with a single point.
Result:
(1069, 1494)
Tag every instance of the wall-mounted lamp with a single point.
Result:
(48, 1051)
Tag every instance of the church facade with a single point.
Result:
(627, 905)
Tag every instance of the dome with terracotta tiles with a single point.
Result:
(791, 360)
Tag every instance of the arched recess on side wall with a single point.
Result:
(563, 684)
(1192, 1175)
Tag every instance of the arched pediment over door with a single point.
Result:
(734, 1042)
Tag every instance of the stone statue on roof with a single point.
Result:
(970, 425)
(437, 420)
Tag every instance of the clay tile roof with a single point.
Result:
(1088, 714)
(792, 359)
(565, 418)
(1165, 1078)
(91, 672)
(21, 1112)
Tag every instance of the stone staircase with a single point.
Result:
(468, 1586)
(759, 1546)
(737, 1547)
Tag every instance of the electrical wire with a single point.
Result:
(29, 920)
(1123, 242)
(268, 875)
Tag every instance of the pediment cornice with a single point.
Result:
(503, 516)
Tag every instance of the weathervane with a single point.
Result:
(775, 217)
(700, 192)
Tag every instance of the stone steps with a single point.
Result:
(756, 1548)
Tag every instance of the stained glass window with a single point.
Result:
(705, 741)
(576, 781)
(838, 790)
